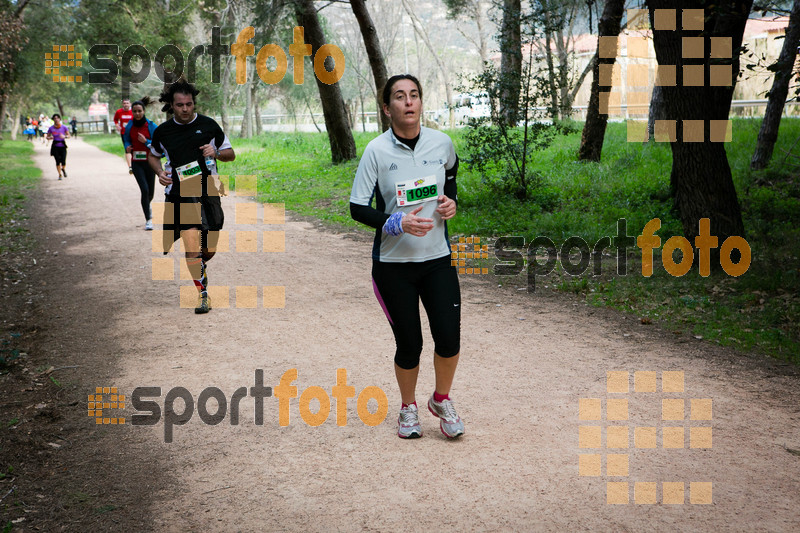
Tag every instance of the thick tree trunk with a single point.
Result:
(701, 181)
(373, 47)
(777, 95)
(657, 110)
(60, 108)
(510, 61)
(343, 146)
(594, 130)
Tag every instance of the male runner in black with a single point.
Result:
(192, 143)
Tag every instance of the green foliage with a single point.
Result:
(501, 152)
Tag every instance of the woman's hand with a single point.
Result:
(447, 207)
(142, 138)
(417, 226)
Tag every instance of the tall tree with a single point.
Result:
(511, 59)
(594, 130)
(373, 46)
(343, 146)
(701, 182)
(784, 70)
(12, 42)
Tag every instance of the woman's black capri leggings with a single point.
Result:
(60, 154)
(399, 288)
(146, 180)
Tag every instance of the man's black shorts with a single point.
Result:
(205, 209)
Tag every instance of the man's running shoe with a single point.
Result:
(408, 423)
(203, 304)
(449, 421)
(148, 225)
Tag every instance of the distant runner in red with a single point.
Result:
(137, 139)
(121, 119)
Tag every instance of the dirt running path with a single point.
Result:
(526, 363)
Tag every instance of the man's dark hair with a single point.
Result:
(181, 86)
(387, 89)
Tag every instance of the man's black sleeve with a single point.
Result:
(368, 215)
(450, 188)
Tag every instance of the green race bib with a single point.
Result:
(417, 191)
(190, 170)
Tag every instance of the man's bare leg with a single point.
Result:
(197, 268)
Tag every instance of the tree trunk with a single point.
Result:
(579, 81)
(551, 72)
(363, 116)
(343, 146)
(223, 109)
(3, 105)
(256, 107)
(60, 107)
(310, 112)
(376, 60)
(247, 116)
(657, 110)
(510, 61)
(594, 130)
(15, 124)
(480, 22)
(565, 103)
(784, 69)
(701, 181)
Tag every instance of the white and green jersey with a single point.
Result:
(402, 179)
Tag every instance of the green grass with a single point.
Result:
(758, 311)
(110, 143)
(18, 176)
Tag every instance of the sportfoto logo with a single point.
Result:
(509, 251)
(143, 401)
(102, 57)
(607, 425)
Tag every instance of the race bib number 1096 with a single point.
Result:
(417, 191)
